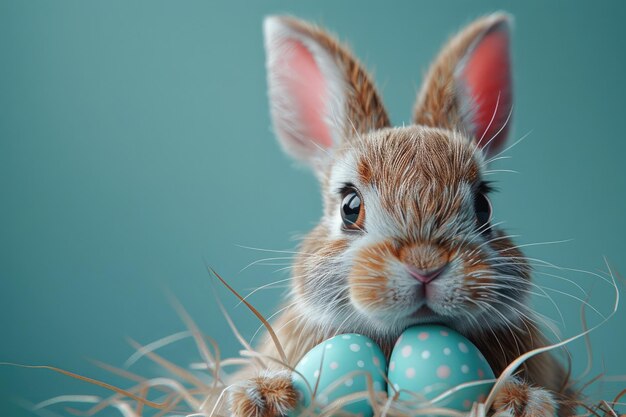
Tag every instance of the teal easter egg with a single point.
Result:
(338, 367)
(428, 360)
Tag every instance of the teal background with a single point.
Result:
(135, 146)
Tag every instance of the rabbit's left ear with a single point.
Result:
(319, 94)
(469, 86)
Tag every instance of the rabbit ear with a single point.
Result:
(319, 94)
(469, 86)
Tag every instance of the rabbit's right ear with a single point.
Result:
(319, 94)
(469, 87)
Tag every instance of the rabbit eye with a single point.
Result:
(352, 211)
(482, 207)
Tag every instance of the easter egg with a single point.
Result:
(428, 360)
(337, 367)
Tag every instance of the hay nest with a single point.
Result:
(200, 389)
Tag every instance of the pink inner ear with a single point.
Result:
(306, 85)
(487, 73)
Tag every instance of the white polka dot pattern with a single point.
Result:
(338, 367)
(428, 360)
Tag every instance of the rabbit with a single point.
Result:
(406, 235)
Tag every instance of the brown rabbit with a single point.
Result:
(406, 236)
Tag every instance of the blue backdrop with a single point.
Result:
(135, 147)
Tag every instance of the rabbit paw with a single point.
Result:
(519, 399)
(268, 395)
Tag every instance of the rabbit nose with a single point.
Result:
(425, 275)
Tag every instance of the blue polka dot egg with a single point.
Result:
(336, 368)
(428, 360)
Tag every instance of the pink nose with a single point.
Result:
(425, 276)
